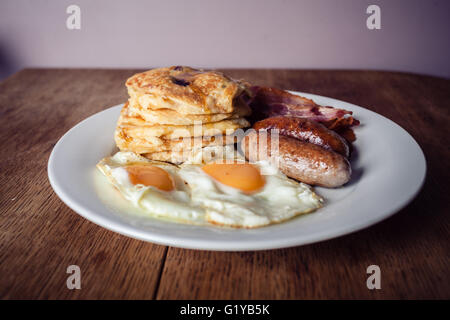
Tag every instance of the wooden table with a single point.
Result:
(40, 236)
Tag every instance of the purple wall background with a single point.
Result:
(415, 34)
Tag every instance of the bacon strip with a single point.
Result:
(270, 102)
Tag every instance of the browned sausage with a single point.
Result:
(306, 130)
(303, 161)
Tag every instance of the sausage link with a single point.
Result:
(303, 161)
(307, 131)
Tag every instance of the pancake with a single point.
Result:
(180, 108)
(174, 132)
(185, 90)
(136, 115)
(155, 144)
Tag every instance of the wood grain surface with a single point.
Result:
(40, 236)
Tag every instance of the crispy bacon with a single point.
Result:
(341, 123)
(270, 102)
(347, 134)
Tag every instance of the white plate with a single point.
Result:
(388, 171)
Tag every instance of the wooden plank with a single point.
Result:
(411, 248)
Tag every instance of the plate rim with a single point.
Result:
(218, 245)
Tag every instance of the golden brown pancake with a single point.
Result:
(152, 144)
(185, 90)
(174, 132)
(181, 108)
(136, 115)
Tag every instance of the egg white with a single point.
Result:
(176, 204)
(280, 198)
(200, 199)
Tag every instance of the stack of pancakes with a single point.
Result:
(174, 112)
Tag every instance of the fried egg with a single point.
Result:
(152, 186)
(240, 194)
(231, 193)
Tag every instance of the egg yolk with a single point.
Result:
(148, 175)
(242, 176)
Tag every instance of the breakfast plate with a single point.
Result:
(388, 171)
